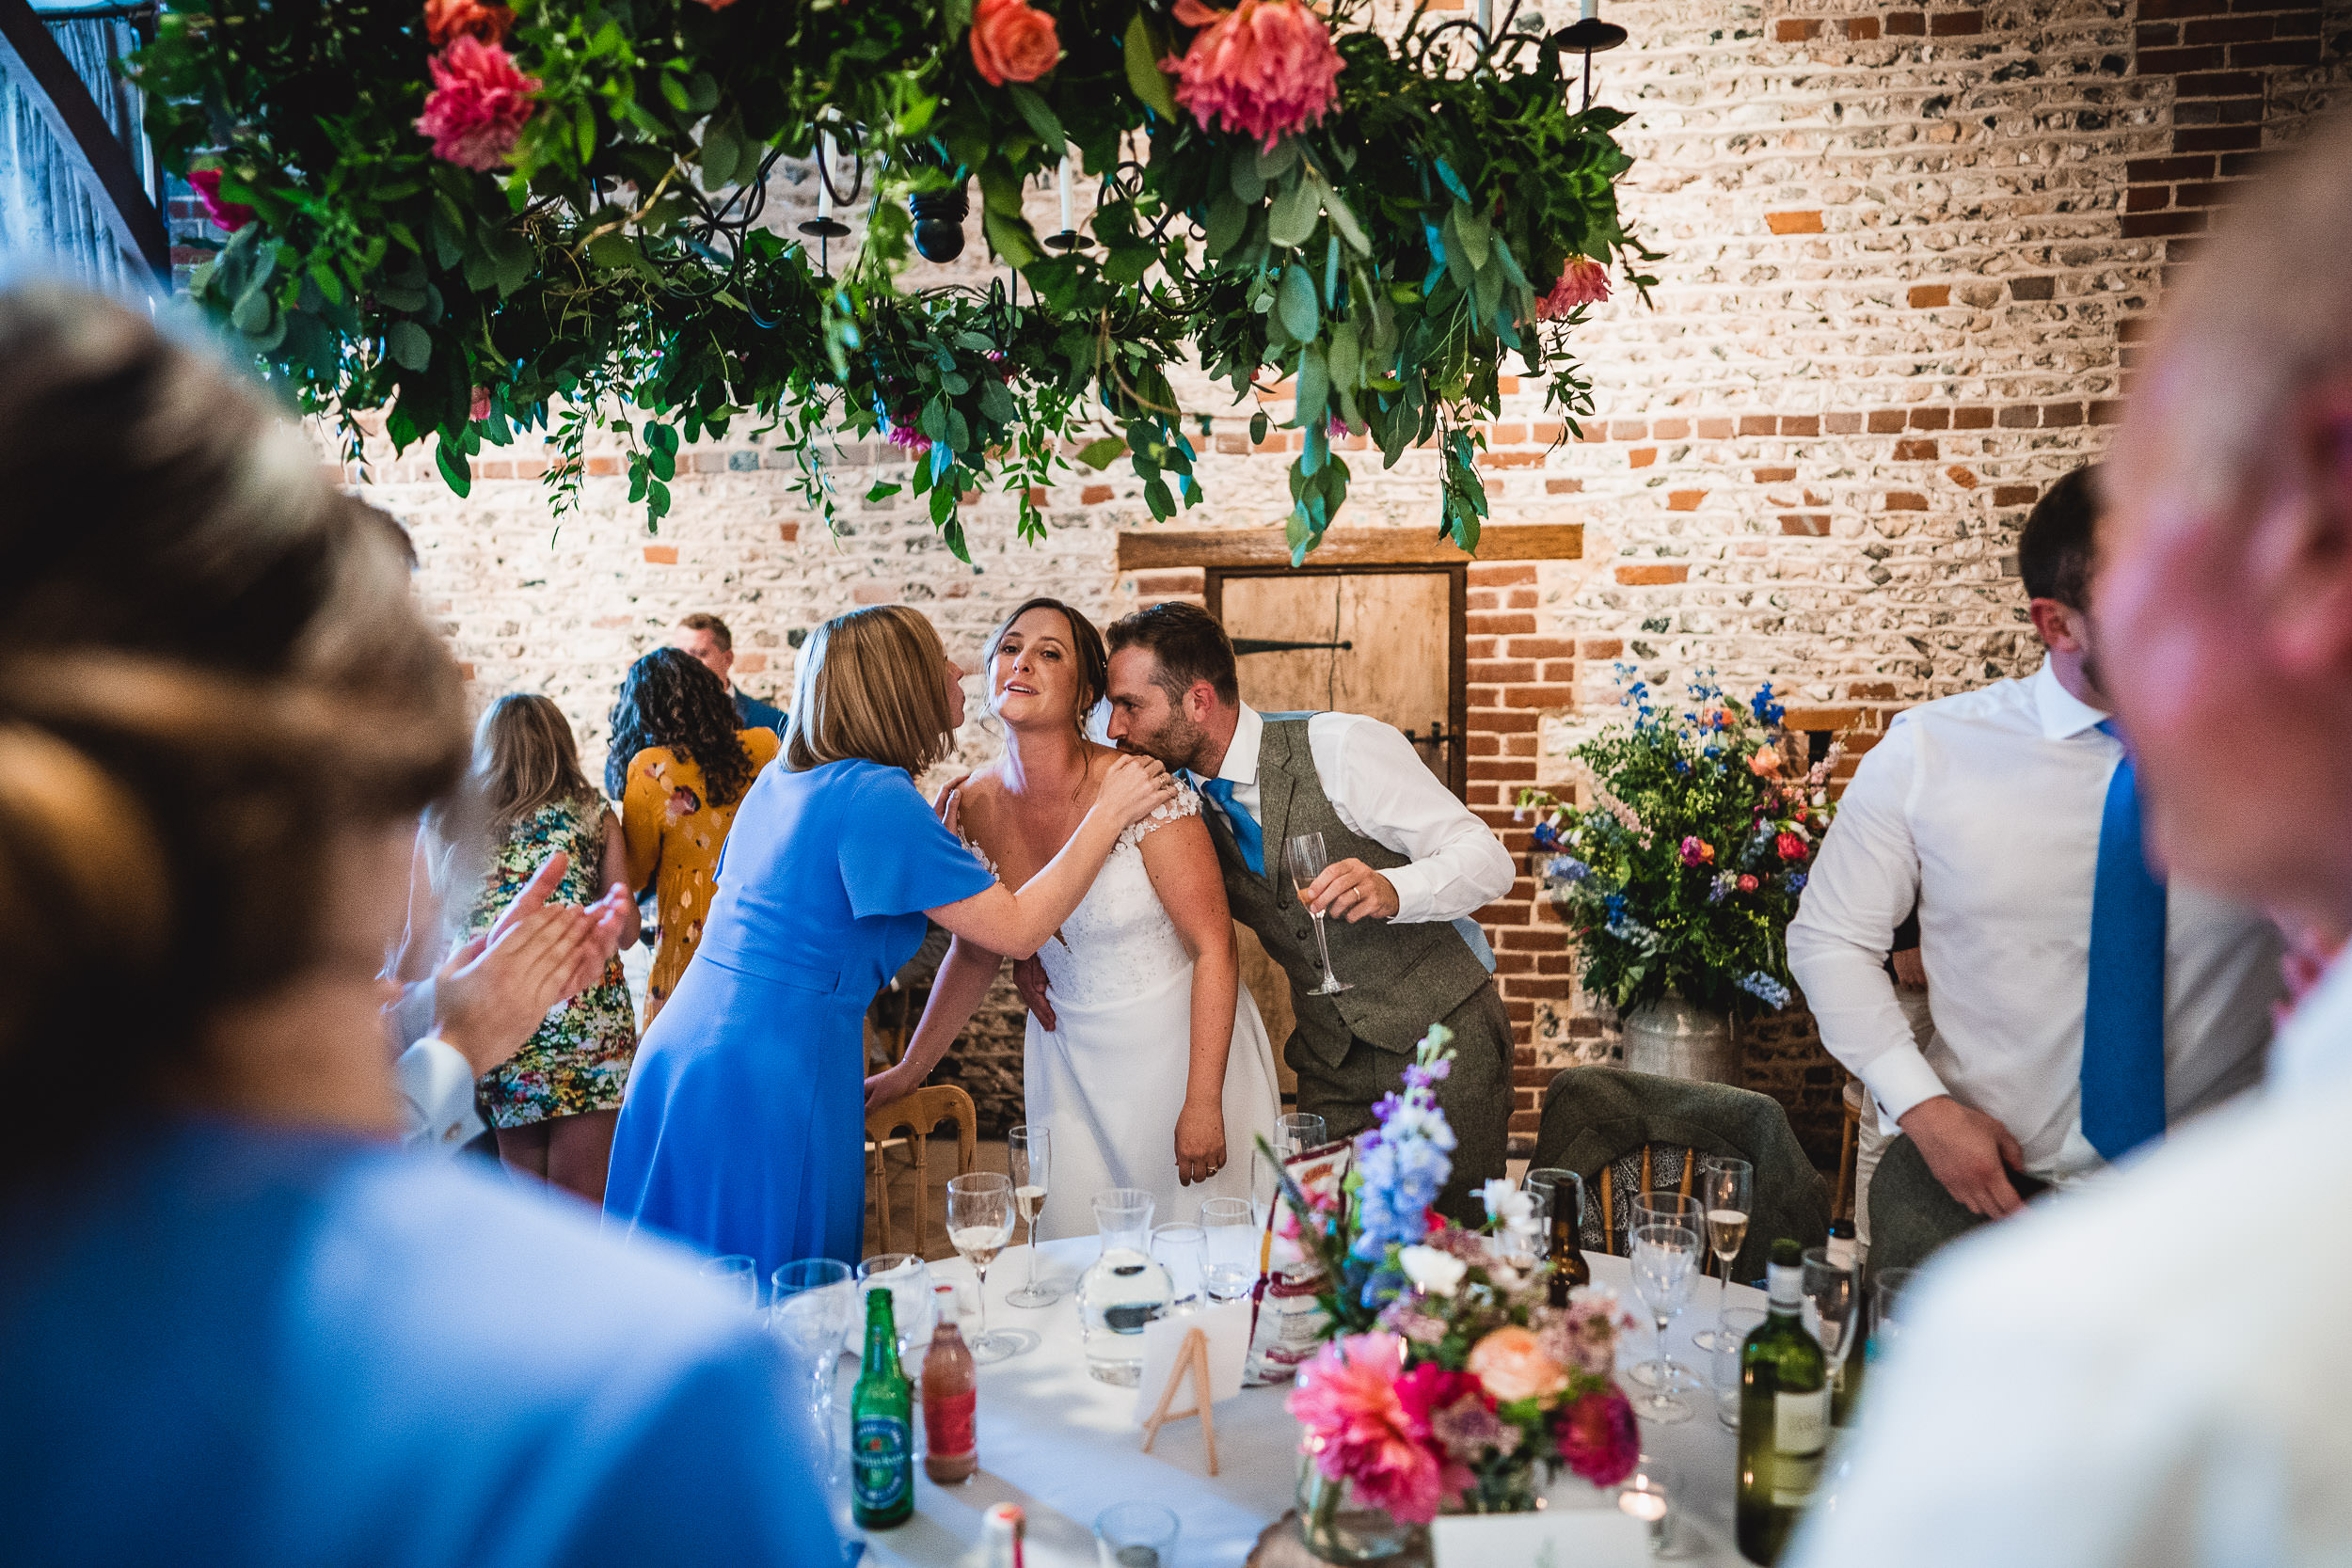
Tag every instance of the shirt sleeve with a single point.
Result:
(437, 1095)
(897, 857)
(1380, 789)
(645, 804)
(1864, 882)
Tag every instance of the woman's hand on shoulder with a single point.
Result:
(1133, 788)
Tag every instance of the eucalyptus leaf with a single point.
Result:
(1314, 388)
(1143, 70)
(1342, 217)
(996, 401)
(410, 345)
(1292, 219)
(1038, 113)
(1344, 356)
(1227, 220)
(252, 313)
(1301, 315)
(1102, 452)
(1475, 233)
(1276, 161)
(1248, 183)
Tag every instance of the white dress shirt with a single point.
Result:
(436, 1081)
(1379, 785)
(2148, 1371)
(1985, 809)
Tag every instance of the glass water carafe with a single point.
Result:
(1124, 1289)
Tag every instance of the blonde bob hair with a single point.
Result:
(872, 684)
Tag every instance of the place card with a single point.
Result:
(1225, 1327)
(1586, 1537)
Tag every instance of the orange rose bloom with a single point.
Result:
(445, 20)
(1510, 1365)
(1013, 41)
(1765, 763)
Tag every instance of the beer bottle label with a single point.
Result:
(881, 1463)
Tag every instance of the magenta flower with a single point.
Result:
(1598, 1437)
(1583, 281)
(1266, 68)
(479, 408)
(230, 215)
(478, 104)
(1364, 1428)
(1697, 851)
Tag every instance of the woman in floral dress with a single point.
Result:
(554, 1105)
(679, 763)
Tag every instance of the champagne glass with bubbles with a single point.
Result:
(1726, 1190)
(1665, 1257)
(979, 1223)
(1030, 1150)
(1308, 862)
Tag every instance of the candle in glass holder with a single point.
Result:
(1062, 183)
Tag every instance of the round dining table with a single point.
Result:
(1064, 1447)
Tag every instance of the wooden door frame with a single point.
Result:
(1458, 625)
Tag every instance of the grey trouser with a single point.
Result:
(1475, 1096)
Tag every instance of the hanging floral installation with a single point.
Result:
(485, 221)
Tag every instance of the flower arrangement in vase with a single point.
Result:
(1446, 1382)
(1680, 876)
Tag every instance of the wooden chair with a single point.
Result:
(920, 1114)
(1849, 1149)
(1681, 1154)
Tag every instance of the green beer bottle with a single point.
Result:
(881, 1426)
(1784, 1414)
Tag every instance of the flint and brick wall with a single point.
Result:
(1906, 254)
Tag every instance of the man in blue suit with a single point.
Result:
(705, 636)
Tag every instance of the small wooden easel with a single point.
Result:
(1192, 1361)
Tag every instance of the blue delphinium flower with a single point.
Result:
(1567, 868)
(1766, 710)
(1765, 988)
(1545, 835)
(1405, 1159)
(1796, 882)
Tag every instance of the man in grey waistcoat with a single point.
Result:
(1410, 864)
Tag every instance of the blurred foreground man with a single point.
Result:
(2156, 1370)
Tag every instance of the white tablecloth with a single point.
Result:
(1064, 1447)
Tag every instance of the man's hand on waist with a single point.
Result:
(1970, 1153)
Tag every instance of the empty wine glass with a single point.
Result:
(1833, 1300)
(1307, 860)
(1726, 1189)
(1664, 1259)
(909, 1282)
(1030, 1151)
(813, 1302)
(1229, 1268)
(1889, 1306)
(1666, 1206)
(979, 1224)
(738, 1274)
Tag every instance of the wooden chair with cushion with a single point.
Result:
(1625, 1133)
(920, 1114)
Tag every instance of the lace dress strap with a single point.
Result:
(1187, 803)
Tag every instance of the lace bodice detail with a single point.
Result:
(1120, 940)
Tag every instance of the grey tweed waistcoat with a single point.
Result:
(1405, 976)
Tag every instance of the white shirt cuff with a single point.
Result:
(437, 1083)
(1900, 1078)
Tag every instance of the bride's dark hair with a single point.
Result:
(1086, 651)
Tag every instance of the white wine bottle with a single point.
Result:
(1784, 1414)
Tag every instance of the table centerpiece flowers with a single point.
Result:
(1680, 875)
(1446, 1380)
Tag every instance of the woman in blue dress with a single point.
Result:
(744, 1126)
(238, 1324)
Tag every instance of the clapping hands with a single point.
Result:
(494, 991)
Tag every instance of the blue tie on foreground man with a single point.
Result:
(2154, 1370)
(239, 1326)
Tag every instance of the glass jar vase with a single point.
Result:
(1338, 1527)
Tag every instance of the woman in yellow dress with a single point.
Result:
(679, 766)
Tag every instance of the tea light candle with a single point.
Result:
(1063, 183)
(1648, 1507)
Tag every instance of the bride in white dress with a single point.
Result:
(1158, 1074)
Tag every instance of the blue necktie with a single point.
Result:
(2123, 1012)
(1248, 836)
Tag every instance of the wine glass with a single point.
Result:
(1308, 861)
(1229, 1269)
(1666, 1206)
(814, 1300)
(1031, 1152)
(738, 1274)
(1726, 1191)
(1665, 1258)
(979, 1223)
(1833, 1297)
(1890, 1303)
(909, 1282)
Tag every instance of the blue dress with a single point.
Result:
(744, 1126)
(226, 1345)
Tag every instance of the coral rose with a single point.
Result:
(1598, 1439)
(230, 215)
(1583, 281)
(1013, 41)
(445, 20)
(1765, 763)
(1266, 68)
(478, 104)
(1510, 1365)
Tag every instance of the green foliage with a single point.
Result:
(1683, 874)
(1385, 260)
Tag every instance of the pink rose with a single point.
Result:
(1267, 67)
(445, 20)
(230, 215)
(1583, 281)
(1747, 884)
(1598, 1439)
(478, 104)
(1791, 847)
(1013, 41)
(480, 407)
(1511, 1365)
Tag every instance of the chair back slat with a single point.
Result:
(921, 1112)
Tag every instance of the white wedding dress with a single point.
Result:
(1109, 1081)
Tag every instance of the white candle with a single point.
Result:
(1486, 16)
(1588, 10)
(1062, 180)
(824, 169)
(1647, 1506)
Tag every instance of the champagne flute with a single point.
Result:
(1668, 1207)
(1665, 1258)
(1726, 1191)
(1833, 1299)
(979, 1223)
(1308, 862)
(1031, 1151)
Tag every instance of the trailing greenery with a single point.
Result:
(1680, 878)
(612, 263)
